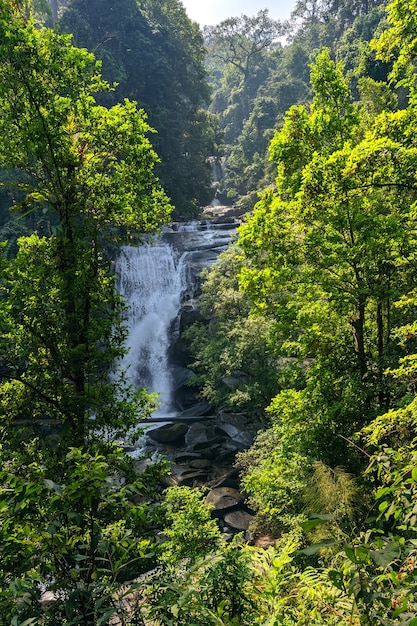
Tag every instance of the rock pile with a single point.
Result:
(201, 451)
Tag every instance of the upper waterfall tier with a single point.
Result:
(156, 279)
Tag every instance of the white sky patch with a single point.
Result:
(212, 12)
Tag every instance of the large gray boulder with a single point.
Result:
(238, 520)
(201, 435)
(221, 498)
(168, 433)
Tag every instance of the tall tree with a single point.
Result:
(240, 46)
(398, 44)
(89, 170)
(325, 251)
(155, 54)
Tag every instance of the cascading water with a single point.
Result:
(151, 280)
(155, 280)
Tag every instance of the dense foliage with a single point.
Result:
(326, 262)
(260, 69)
(88, 171)
(155, 55)
(85, 173)
(312, 323)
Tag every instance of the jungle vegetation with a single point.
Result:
(314, 308)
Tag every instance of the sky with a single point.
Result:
(212, 12)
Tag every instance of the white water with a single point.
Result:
(155, 280)
(151, 279)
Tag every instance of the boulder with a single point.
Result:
(226, 478)
(243, 440)
(212, 452)
(168, 433)
(222, 498)
(199, 436)
(200, 464)
(184, 456)
(241, 421)
(239, 520)
(229, 429)
(184, 475)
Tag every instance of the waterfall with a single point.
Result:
(151, 279)
(155, 280)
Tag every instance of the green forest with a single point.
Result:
(115, 119)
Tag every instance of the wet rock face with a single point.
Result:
(198, 243)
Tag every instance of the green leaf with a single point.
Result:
(386, 556)
(362, 553)
(313, 549)
(316, 520)
(383, 506)
(336, 579)
(383, 492)
(350, 553)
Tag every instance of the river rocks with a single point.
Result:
(201, 450)
(224, 213)
(194, 436)
(168, 433)
(238, 520)
(224, 498)
(185, 476)
(230, 510)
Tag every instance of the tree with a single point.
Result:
(90, 171)
(249, 170)
(85, 174)
(234, 365)
(332, 17)
(240, 46)
(155, 54)
(325, 253)
(398, 44)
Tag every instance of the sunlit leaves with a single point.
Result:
(399, 43)
(79, 538)
(89, 172)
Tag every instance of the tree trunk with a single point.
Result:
(358, 325)
(380, 354)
